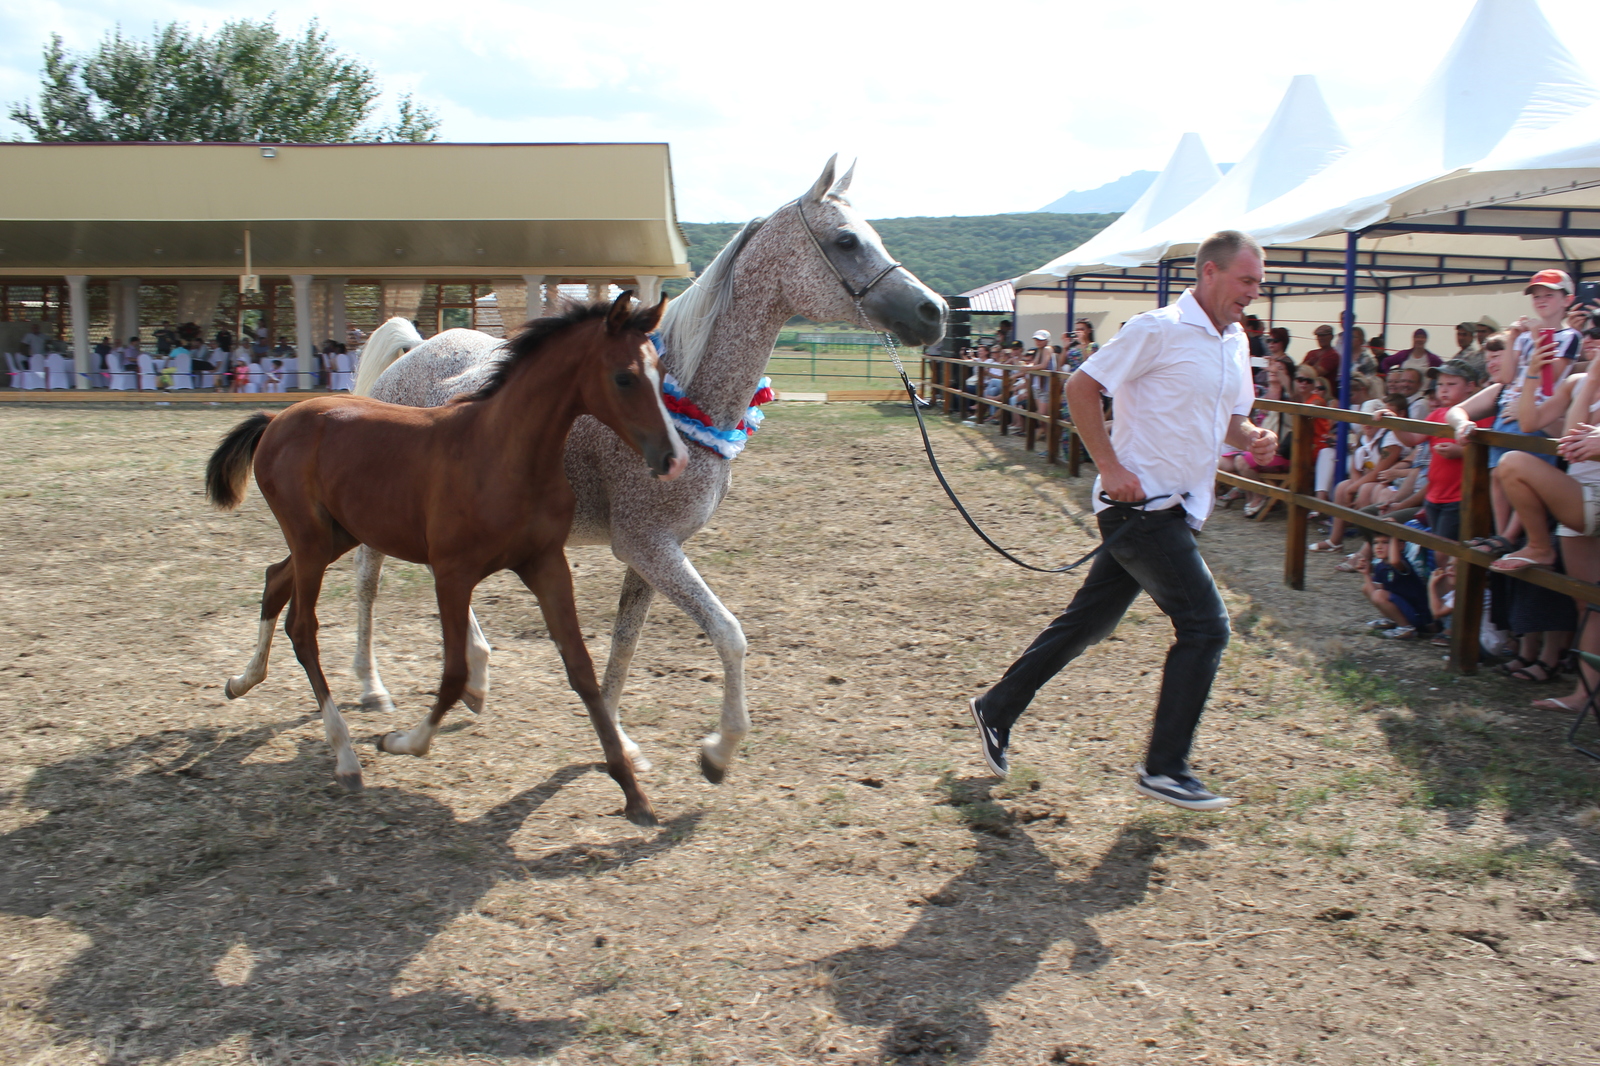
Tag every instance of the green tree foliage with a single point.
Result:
(950, 255)
(246, 82)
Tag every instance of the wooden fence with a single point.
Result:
(943, 378)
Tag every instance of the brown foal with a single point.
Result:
(469, 488)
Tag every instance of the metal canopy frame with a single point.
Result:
(1304, 271)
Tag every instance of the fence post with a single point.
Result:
(1052, 427)
(1032, 419)
(944, 381)
(1477, 520)
(1302, 481)
(980, 411)
(1004, 417)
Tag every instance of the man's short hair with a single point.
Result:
(1221, 247)
(1470, 327)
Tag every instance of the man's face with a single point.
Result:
(1463, 337)
(1324, 340)
(1419, 340)
(1225, 292)
(1451, 390)
(1481, 333)
(1405, 382)
(1548, 303)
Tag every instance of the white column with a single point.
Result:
(597, 290)
(128, 319)
(341, 320)
(649, 291)
(304, 345)
(536, 306)
(552, 298)
(78, 297)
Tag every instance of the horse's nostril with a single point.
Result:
(929, 311)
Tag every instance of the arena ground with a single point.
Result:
(1411, 879)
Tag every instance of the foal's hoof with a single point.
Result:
(711, 770)
(352, 782)
(227, 689)
(642, 816)
(474, 700)
(379, 702)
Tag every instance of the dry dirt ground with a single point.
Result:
(1412, 877)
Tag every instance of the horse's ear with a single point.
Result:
(824, 183)
(621, 311)
(842, 186)
(655, 313)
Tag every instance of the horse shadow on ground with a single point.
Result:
(177, 858)
(982, 934)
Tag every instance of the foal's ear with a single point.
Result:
(824, 183)
(842, 186)
(621, 311)
(655, 313)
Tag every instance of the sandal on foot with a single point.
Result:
(1510, 564)
(1495, 545)
(1537, 672)
(1555, 703)
(1253, 509)
(1324, 546)
(1515, 663)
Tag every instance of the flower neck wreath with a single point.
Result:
(699, 427)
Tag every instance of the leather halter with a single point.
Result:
(855, 294)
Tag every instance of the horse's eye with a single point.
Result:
(626, 379)
(847, 241)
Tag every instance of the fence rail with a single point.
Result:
(945, 378)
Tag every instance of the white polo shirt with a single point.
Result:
(1176, 382)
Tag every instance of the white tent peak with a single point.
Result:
(1188, 174)
(1301, 139)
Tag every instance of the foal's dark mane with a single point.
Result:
(531, 338)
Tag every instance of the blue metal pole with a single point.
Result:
(1072, 303)
(1161, 283)
(1346, 356)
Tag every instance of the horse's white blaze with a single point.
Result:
(346, 765)
(256, 671)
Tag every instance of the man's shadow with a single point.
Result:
(982, 934)
(225, 897)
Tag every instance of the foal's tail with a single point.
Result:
(388, 342)
(229, 467)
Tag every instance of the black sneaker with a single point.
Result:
(1184, 790)
(992, 740)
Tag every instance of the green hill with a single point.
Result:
(951, 254)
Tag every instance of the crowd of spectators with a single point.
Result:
(181, 359)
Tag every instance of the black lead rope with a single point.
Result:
(917, 404)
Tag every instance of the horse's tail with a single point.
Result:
(229, 466)
(388, 342)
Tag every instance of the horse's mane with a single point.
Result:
(686, 327)
(527, 344)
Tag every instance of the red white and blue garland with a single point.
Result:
(699, 427)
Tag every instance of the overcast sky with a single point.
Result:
(953, 109)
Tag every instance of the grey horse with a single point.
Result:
(816, 257)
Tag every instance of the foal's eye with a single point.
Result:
(626, 379)
(847, 241)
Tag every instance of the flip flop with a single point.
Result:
(1324, 546)
(1553, 703)
(1510, 564)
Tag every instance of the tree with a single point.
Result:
(246, 82)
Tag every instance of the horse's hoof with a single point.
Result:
(474, 700)
(380, 702)
(352, 782)
(227, 689)
(643, 816)
(381, 742)
(711, 770)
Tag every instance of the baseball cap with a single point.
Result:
(1041, 334)
(1550, 278)
(1323, 331)
(1460, 368)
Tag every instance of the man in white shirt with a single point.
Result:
(35, 340)
(1181, 379)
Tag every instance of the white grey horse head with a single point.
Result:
(841, 262)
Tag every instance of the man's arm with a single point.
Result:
(1089, 422)
(1242, 433)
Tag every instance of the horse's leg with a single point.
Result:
(664, 565)
(369, 572)
(633, 606)
(478, 649)
(454, 594)
(302, 628)
(280, 583)
(551, 582)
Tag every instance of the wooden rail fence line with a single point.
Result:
(944, 378)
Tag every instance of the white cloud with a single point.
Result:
(953, 109)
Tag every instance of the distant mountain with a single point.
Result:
(950, 254)
(1115, 196)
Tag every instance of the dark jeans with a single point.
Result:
(1158, 555)
(1444, 519)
